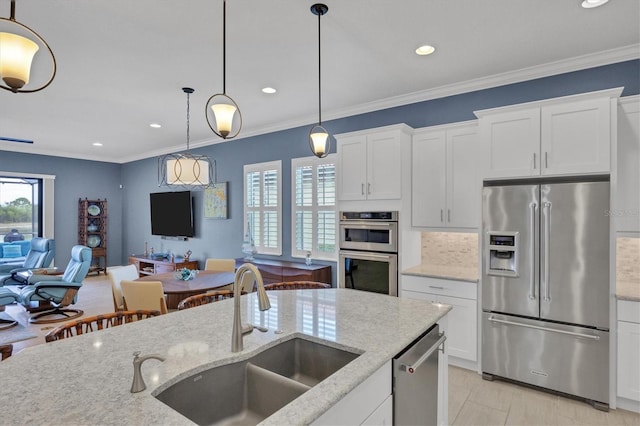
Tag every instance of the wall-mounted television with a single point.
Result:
(172, 214)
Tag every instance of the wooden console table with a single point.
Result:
(149, 266)
(276, 271)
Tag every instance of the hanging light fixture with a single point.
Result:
(221, 110)
(319, 138)
(18, 47)
(186, 169)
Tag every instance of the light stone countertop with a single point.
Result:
(87, 379)
(627, 290)
(460, 273)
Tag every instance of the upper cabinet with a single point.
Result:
(445, 187)
(627, 211)
(562, 136)
(370, 163)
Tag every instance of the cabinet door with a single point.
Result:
(627, 212)
(352, 173)
(511, 142)
(576, 137)
(628, 356)
(463, 185)
(384, 166)
(463, 327)
(428, 179)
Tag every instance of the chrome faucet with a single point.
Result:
(138, 384)
(263, 303)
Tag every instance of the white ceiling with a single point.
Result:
(122, 63)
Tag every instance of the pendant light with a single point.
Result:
(221, 110)
(186, 169)
(18, 47)
(319, 138)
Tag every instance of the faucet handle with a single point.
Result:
(136, 354)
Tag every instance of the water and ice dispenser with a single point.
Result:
(502, 250)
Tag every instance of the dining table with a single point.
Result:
(177, 289)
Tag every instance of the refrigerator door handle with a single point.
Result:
(532, 243)
(537, 327)
(546, 210)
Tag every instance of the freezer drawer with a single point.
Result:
(568, 359)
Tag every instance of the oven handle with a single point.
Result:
(367, 225)
(368, 255)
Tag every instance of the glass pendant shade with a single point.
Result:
(16, 56)
(319, 141)
(224, 115)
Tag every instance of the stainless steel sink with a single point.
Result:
(249, 391)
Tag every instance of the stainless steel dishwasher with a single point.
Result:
(415, 380)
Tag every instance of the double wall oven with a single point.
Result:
(368, 243)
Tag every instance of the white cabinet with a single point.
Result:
(627, 211)
(563, 136)
(629, 350)
(445, 188)
(370, 163)
(462, 332)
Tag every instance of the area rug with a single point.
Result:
(15, 334)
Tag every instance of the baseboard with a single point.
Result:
(463, 363)
(627, 404)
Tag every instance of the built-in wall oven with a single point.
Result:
(368, 259)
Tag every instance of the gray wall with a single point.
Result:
(129, 216)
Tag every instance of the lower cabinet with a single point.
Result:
(629, 350)
(462, 333)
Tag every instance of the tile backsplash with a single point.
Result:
(628, 259)
(453, 249)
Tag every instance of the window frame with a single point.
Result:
(313, 162)
(262, 168)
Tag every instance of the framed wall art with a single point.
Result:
(215, 201)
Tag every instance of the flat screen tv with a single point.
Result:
(171, 214)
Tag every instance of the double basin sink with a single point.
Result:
(247, 392)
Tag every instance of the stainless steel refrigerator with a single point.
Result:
(545, 286)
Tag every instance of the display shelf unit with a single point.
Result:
(92, 231)
(149, 266)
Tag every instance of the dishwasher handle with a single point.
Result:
(414, 367)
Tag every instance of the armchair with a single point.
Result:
(40, 255)
(58, 291)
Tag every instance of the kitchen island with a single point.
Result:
(87, 379)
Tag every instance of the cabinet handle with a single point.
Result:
(362, 189)
(546, 160)
(441, 215)
(449, 215)
(534, 161)
(436, 287)
(368, 188)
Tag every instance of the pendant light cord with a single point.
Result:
(319, 75)
(188, 116)
(224, 47)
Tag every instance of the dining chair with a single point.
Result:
(205, 298)
(116, 275)
(222, 265)
(143, 295)
(6, 350)
(97, 322)
(296, 285)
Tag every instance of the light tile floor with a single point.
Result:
(474, 401)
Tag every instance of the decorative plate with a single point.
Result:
(93, 210)
(93, 241)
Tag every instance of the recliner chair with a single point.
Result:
(40, 255)
(59, 291)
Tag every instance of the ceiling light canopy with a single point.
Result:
(186, 169)
(19, 45)
(319, 138)
(222, 112)
(589, 4)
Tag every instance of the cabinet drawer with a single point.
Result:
(629, 311)
(160, 268)
(444, 287)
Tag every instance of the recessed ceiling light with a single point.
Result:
(96, 144)
(268, 90)
(589, 4)
(425, 50)
(155, 125)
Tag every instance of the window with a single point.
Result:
(20, 208)
(263, 205)
(313, 209)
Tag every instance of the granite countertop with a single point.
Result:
(627, 290)
(86, 379)
(460, 273)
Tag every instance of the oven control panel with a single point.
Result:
(391, 216)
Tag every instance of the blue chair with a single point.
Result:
(7, 297)
(40, 255)
(58, 291)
